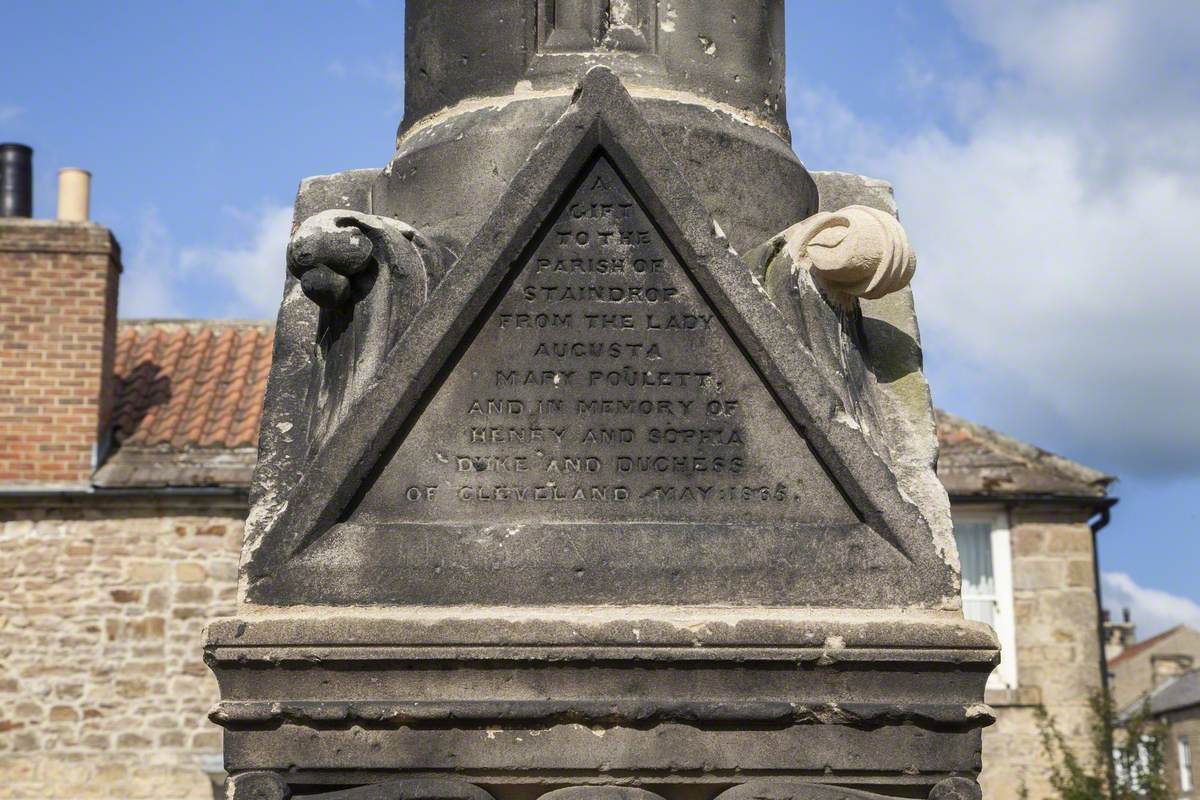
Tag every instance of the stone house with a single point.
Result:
(1177, 704)
(125, 456)
(1160, 674)
(1138, 668)
(1026, 524)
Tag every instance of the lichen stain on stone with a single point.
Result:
(668, 20)
(621, 16)
(978, 710)
(835, 643)
(842, 418)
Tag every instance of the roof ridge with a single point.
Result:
(186, 321)
(1139, 647)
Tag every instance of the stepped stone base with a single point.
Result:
(666, 697)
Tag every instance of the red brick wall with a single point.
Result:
(58, 318)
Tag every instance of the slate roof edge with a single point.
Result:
(52, 491)
(1190, 698)
(1093, 501)
(1036, 456)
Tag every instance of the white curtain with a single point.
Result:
(978, 572)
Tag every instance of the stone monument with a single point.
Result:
(597, 460)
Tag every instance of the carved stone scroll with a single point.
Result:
(854, 252)
(369, 275)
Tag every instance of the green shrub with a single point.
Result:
(1125, 759)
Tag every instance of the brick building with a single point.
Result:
(1026, 522)
(125, 457)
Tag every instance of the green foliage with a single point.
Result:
(1125, 762)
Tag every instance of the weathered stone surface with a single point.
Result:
(481, 90)
(102, 689)
(603, 502)
(825, 491)
(956, 789)
(785, 790)
(257, 785)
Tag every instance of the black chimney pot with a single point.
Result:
(16, 180)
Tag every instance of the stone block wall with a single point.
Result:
(103, 693)
(1058, 650)
(58, 322)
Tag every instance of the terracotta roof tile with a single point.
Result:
(183, 385)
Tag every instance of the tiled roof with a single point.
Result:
(189, 402)
(191, 384)
(1176, 695)
(979, 462)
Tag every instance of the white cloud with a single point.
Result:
(253, 270)
(1084, 292)
(1122, 73)
(243, 279)
(1056, 229)
(150, 270)
(1152, 610)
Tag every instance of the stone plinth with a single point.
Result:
(679, 696)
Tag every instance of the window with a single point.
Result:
(1184, 748)
(986, 558)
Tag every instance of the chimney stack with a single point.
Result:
(1118, 635)
(74, 194)
(58, 325)
(16, 181)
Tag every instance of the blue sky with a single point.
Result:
(1045, 153)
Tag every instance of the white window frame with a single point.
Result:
(1005, 675)
(1183, 753)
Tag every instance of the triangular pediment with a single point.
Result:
(475, 422)
(601, 385)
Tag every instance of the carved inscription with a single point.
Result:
(602, 387)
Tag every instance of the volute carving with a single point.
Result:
(853, 252)
(369, 275)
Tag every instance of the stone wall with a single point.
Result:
(103, 693)
(1058, 650)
